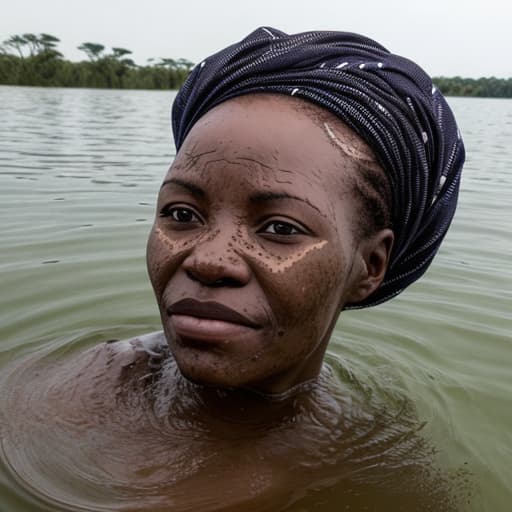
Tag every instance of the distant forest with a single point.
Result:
(33, 59)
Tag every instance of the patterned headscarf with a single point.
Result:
(387, 100)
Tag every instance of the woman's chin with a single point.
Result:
(197, 369)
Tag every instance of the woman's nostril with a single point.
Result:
(190, 275)
(227, 281)
(214, 282)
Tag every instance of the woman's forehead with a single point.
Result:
(266, 115)
(276, 133)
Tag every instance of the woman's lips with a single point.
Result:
(208, 321)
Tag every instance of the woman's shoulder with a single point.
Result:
(130, 351)
(122, 358)
(65, 380)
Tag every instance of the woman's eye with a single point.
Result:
(282, 228)
(180, 214)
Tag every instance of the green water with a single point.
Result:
(79, 171)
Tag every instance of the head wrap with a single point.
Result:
(387, 100)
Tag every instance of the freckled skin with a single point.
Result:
(295, 285)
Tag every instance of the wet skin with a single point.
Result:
(257, 214)
(119, 428)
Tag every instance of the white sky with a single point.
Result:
(470, 38)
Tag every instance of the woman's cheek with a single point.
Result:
(162, 256)
(306, 284)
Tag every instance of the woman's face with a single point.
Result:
(252, 254)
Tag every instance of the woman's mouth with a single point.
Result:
(208, 321)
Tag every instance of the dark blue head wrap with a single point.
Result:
(387, 99)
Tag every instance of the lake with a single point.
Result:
(79, 174)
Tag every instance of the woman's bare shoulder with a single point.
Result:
(68, 379)
(121, 358)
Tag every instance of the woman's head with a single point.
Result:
(387, 100)
(314, 172)
(251, 220)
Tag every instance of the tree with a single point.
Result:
(167, 63)
(33, 43)
(48, 42)
(120, 52)
(92, 50)
(16, 42)
(184, 64)
(129, 62)
(36, 44)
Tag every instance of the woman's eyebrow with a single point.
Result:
(191, 187)
(261, 197)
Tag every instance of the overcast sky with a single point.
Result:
(469, 38)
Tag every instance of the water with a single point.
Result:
(79, 172)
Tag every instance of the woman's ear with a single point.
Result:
(374, 254)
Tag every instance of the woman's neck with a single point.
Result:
(222, 412)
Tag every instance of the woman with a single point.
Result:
(315, 173)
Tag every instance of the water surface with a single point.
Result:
(79, 173)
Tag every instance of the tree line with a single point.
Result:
(33, 59)
(485, 87)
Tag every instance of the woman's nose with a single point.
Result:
(215, 262)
